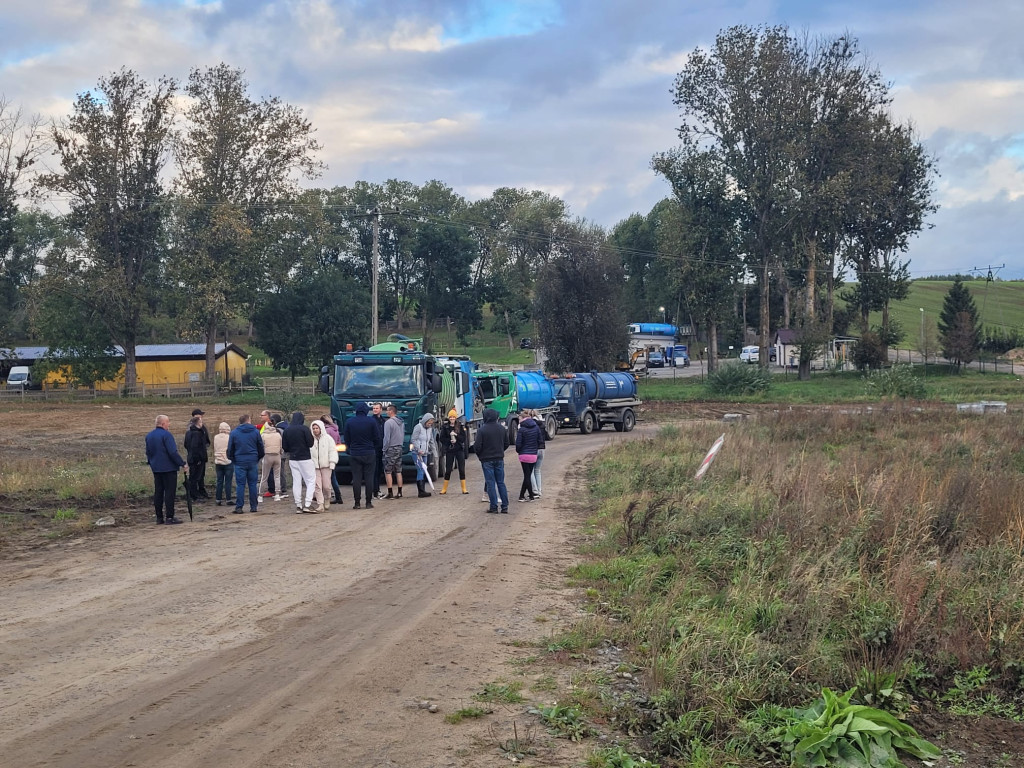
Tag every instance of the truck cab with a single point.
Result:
(394, 373)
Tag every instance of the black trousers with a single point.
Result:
(197, 479)
(527, 480)
(362, 474)
(450, 460)
(164, 486)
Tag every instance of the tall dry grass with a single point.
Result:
(821, 549)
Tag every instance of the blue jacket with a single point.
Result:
(245, 446)
(162, 452)
(361, 433)
(529, 438)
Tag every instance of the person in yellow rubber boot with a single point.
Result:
(454, 447)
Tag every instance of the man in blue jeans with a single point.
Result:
(245, 450)
(490, 445)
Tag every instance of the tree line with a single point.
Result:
(185, 211)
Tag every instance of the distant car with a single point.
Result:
(681, 360)
(753, 354)
(526, 344)
(655, 360)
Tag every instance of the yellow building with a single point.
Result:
(159, 365)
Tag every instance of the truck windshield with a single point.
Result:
(378, 381)
(564, 390)
(17, 377)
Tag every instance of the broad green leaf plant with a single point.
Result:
(834, 732)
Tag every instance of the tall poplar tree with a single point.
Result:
(112, 150)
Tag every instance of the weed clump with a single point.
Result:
(737, 379)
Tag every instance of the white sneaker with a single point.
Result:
(278, 497)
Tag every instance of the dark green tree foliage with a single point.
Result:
(308, 321)
(869, 352)
(741, 101)
(517, 232)
(239, 159)
(79, 344)
(579, 307)
(21, 143)
(700, 234)
(959, 331)
(112, 152)
(32, 232)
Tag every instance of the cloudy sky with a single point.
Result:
(568, 96)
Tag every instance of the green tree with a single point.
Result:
(79, 346)
(112, 152)
(311, 319)
(21, 143)
(238, 159)
(700, 232)
(579, 308)
(959, 329)
(741, 100)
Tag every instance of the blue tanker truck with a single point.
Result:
(589, 401)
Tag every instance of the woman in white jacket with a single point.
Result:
(325, 455)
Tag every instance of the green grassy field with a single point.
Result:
(1000, 303)
(941, 383)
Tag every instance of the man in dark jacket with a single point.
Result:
(165, 461)
(377, 414)
(245, 450)
(491, 442)
(296, 440)
(197, 440)
(360, 439)
(200, 482)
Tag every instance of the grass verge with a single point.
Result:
(881, 551)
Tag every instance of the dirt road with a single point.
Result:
(279, 639)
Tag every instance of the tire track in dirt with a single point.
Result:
(277, 639)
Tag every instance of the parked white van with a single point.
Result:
(20, 377)
(750, 354)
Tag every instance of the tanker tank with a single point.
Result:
(608, 386)
(534, 390)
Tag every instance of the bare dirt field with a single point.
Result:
(277, 639)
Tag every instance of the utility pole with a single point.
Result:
(376, 272)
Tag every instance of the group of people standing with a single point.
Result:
(259, 457)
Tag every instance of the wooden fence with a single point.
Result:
(197, 389)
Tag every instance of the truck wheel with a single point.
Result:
(628, 420)
(587, 423)
(550, 427)
(513, 431)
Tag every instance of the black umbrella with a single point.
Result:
(188, 497)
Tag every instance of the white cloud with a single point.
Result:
(991, 107)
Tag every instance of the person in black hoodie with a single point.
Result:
(197, 439)
(491, 442)
(361, 445)
(296, 441)
(529, 441)
(201, 482)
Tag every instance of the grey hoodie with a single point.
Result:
(422, 436)
(394, 432)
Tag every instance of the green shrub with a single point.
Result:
(898, 381)
(739, 379)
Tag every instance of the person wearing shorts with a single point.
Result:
(394, 447)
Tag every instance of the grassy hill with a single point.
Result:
(999, 303)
